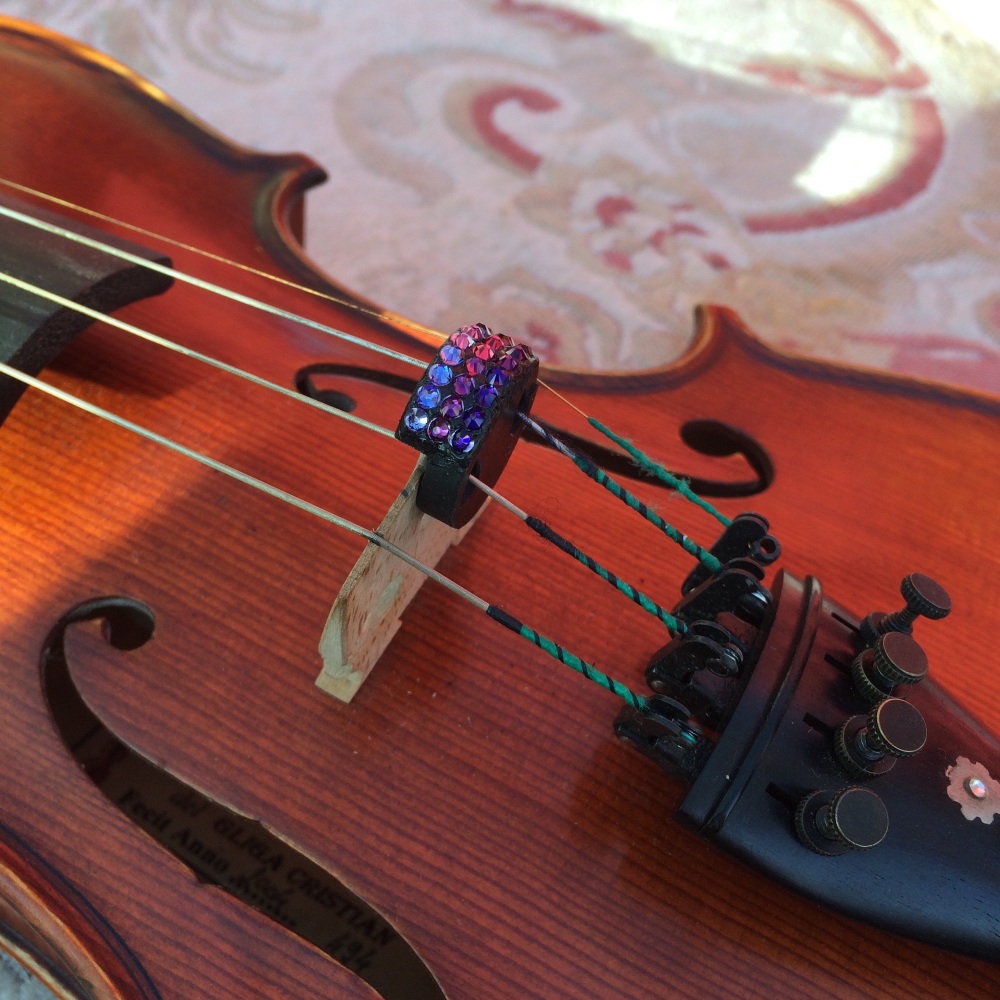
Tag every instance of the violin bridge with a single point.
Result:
(367, 612)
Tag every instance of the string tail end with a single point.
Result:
(663, 730)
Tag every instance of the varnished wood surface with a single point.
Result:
(472, 791)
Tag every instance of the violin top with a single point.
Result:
(472, 795)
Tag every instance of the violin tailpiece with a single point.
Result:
(793, 720)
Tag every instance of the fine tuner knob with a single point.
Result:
(895, 659)
(867, 747)
(925, 598)
(834, 822)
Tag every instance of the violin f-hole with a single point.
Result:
(222, 847)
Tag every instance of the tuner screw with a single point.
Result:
(925, 598)
(867, 747)
(835, 822)
(896, 660)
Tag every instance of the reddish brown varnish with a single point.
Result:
(472, 792)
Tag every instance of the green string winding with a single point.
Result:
(659, 472)
(588, 670)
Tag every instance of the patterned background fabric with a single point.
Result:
(582, 174)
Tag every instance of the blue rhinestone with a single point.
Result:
(452, 407)
(428, 396)
(498, 377)
(462, 441)
(439, 374)
(487, 395)
(474, 419)
(450, 354)
(416, 419)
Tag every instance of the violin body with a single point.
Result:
(472, 793)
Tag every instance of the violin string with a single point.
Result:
(648, 465)
(586, 465)
(656, 470)
(207, 286)
(588, 670)
(188, 352)
(674, 625)
(375, 312)
(242, 477)
(542, 529)
(538, 526)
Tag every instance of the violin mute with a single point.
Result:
(368, 609)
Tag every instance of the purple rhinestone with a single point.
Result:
(485, 352)
(475, 366)
(428, 396)
(507, 363)
(519, 354)
(462, 441)
(486, 396)
(438, 429)
(452, 407)
(416, 419)
(498, 378)
(450, 354)
(463, 385)
(474, 419)
(505, 340)
(482, 331)
(462, 339)
(439, 374)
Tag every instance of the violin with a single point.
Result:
(186, 813)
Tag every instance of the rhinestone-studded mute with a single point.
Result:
(463, 416)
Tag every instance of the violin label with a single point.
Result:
(248, 861)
